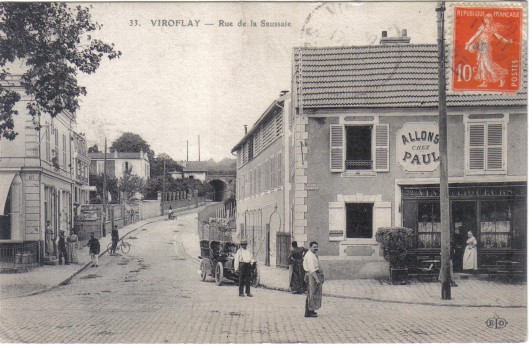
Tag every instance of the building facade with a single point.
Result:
(40, 178)
(262, 178)
(119, 163)
(365, 154)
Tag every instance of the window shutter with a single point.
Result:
(494, 155)
(337, 163)
(336, 220)
(382, 162)
(476, 147)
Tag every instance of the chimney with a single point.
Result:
(283, 93)
(245, 129)
(404, 39)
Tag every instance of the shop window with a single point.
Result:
(428, 225)
(359, 220)
(495, 224)
(5, 219)
(359, 147)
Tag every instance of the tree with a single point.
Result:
(94, 149)
(129, 185)
(157, 165)
(131, 142)
(112, 188)
(52, 42)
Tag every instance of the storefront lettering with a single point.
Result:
(421, 136)
(465, 192)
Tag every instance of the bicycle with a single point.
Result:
(123, 246)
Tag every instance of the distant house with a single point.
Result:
(195, 170)
(118, 163)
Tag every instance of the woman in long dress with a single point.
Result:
(488, 70)
(297, 275)
(470, 253)
(72, 252)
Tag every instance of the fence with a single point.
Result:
(283, 249)
(22, 256)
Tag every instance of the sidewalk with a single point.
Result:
(476, 291)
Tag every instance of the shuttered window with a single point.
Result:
(486, 148)
(363, 147)
(337, 162)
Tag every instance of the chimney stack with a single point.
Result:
(404, 39)
(245, 129)
(283, 93)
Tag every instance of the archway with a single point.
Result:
(220, 190)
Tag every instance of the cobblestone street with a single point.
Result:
(154, 295)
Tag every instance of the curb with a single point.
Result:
(83, 267)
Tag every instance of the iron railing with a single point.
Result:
(20, 256)
(358, 165)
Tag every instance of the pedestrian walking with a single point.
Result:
(297, 273)
(72, 245)
(62, 248)
(114, 238)
(170, 213)
(94, 250)
(243, 262)
(470, 253)
(315, 280)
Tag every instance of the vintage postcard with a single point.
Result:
(263, 172)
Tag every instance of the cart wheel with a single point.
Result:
(203, 270)
(219, 274)
(255, 276)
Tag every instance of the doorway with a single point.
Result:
(464, 219)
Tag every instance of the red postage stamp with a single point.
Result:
(487, 49)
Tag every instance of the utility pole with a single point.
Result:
(104, 213)
(444, 172)
(199, 150)
(187, 150)
(164, 184)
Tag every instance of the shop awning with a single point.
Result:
(5, 184)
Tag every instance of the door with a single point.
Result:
(463, 219)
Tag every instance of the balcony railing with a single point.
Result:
(358, 165)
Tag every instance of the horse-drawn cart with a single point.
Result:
(217, 260)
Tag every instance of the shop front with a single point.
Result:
(494, 213)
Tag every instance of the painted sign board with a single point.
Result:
(417, 147)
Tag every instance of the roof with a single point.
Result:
(119, 155)
(382, 76)
(273, 109)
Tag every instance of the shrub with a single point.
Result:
(396, 242)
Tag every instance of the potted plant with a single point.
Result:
(395, 242)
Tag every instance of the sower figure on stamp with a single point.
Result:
(62, 248)
(94, 250)
(243, 262)
(315, 279)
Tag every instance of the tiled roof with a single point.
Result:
(119, 155)
(382, 76)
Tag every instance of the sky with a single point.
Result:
(175, 83)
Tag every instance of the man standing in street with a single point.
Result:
(61, 248)
(315, 279)
(243, 262)
(114, 239)
(94, 250)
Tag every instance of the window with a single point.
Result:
(428, 225)
(48, 150)
(273, 172)
(280, 169)
(359, 147)
(359, 220)
(486, 147)
(495, 224)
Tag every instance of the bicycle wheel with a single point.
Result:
(109, 248)
(125, 246)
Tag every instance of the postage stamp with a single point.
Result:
(487, 49)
